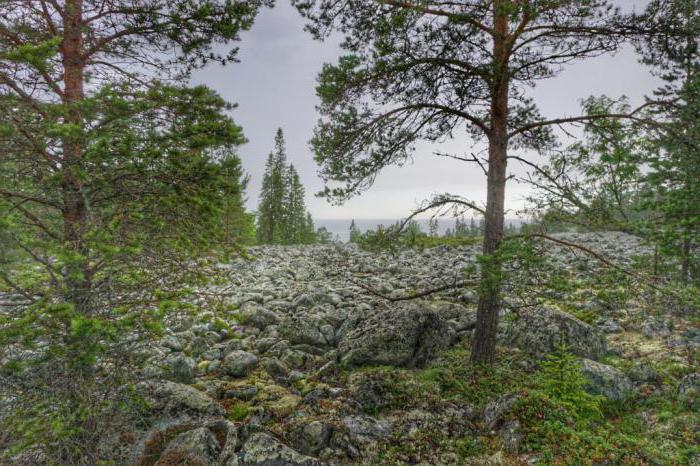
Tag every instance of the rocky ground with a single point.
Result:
(304, 361)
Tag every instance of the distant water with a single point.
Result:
(341, 227)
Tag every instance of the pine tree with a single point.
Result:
(422, 71)
(355, 233)
(271, 207)
(109, 191)
(309, 236)
(433, 227)
(674, 190)
(282, 216)
(294, 222)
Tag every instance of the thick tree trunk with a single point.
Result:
(74, 208)
(484, 343)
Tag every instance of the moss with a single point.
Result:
(238, 411)
(220, 324)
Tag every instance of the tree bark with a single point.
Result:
(74, 207)
(484, 342)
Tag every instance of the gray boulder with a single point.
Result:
(605, 380)
(312, 437)
(179, 399)
(198, 446)
(408, 336)
(181, 369)
(689, 389)
(303, 330)
(365, 429)
(238, 363)
(656, 328)
(262, 449)
(541, 330)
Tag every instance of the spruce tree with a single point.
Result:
(294, 224)
(673, 181)
(282, 216)
(271, 214)
(355, 233)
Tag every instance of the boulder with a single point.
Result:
(365, 429)
(312, 437)
(656, 328)
(542, 330)
(238, 363)
(303, 330)
(197, 446)
(605, 380)
(181, 369)
(178, 399)
(689, 389)
(262, 449)
(408, 336)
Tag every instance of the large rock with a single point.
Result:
(238, 363)
(541, 330)
(262, 449)
(179, 399)
(689, 389)
(605, 380)
(303, 330)
(197, 446)
(408, 336)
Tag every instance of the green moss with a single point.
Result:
(238, 411)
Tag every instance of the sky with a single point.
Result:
(274, 87)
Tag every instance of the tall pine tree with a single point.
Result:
(282, 216)
(271, 215)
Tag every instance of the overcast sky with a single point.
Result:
(274, 83)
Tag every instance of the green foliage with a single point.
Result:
(560, 379)
(116, 189)
(282, 216)
(238, 411)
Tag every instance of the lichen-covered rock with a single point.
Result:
(179, 399)
(262, 449)
(197, 446)
(541, 330)
(496, 411)
(303, 329)
(238, 363)
(605, 380)
(408, 336)
(313, 437)
(181, 369)
(656, 328)
(365, 429)
(689, 389)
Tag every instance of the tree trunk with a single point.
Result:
(484, 343)
(74, 209)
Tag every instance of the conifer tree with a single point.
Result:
(433, 227)
(294, 224)
(271, 215)
(282, 216)
(355, 233)
(673, 181)
(108, 190)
